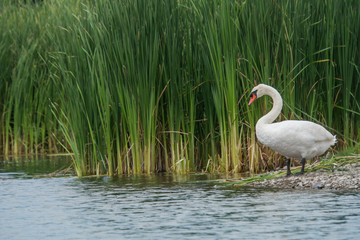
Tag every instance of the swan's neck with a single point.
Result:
(276, 109)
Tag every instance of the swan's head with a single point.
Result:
(257, 92)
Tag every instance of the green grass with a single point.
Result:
(147, 86)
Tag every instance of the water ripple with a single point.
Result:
(158, 208)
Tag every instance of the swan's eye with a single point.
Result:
(254, 93)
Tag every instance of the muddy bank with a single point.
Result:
(347, 177)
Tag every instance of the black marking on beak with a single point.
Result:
(253, 93)
(253, 96)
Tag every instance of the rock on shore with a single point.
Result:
(344, 178)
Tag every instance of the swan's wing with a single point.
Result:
(304, 131)
(296, 139)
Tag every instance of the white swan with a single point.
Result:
(293, 139)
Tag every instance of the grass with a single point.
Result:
(148, 86)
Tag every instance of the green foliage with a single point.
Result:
(146, 86)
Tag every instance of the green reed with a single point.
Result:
(146, 86)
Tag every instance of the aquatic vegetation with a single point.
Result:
(147, 86)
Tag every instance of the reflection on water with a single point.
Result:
(167, 207)
(20, 168)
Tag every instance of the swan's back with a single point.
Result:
(297, 139)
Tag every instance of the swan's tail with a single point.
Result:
(334, 141)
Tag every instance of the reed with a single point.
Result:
(146, 86)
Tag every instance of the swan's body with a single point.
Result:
(293, 139)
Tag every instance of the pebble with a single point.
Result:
(318, 185)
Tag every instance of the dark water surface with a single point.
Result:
(164, 207)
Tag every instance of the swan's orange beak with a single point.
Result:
(252, 98)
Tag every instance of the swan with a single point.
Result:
(292, 138)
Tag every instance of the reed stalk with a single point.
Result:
(146, 86)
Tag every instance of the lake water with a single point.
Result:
(164, 207)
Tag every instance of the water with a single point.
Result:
(164, 207)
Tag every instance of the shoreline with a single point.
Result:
(338, 173)
(347, 178)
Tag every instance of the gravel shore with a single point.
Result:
(347, 177)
